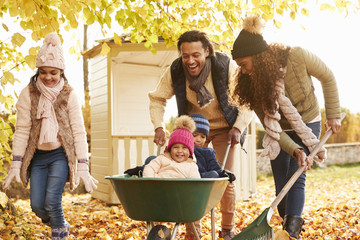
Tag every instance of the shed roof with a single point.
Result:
(126, 45)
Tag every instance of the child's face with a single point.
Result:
(179, 152)
(199, 139)
(49, 75)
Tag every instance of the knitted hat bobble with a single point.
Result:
(184, 127)
(250, 41)
(51, 53)
(202, 124)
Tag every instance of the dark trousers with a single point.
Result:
(283, 167)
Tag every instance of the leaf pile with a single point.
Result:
(331, 212)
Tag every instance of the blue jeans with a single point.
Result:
(283, 167)
(49, 172)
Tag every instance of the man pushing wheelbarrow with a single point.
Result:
(199, 80)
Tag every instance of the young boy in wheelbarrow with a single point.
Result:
(205, 160)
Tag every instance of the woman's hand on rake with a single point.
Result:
(303, 159)
(334, 124)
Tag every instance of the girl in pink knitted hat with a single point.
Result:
(177, 160)
(50, 144)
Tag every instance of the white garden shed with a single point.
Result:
(121, 129)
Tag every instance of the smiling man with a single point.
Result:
(199, 80)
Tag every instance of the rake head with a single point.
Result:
(259, 229)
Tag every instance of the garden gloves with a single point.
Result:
(137, 171)
(84, 174)
(14, 172)
(227, 173)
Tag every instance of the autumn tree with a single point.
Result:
(170, 124)
(349, 131)
(145, 20)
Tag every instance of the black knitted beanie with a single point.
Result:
(250, 41)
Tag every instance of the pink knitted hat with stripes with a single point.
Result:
(185, 126)
(51, 53)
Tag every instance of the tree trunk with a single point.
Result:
(86, 70)
(86, 110)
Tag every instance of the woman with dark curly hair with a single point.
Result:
(275, 81)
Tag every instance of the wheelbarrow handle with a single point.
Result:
(225, 156)
(297, 174)
(158, 150)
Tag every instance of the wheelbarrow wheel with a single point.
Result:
(159, 232)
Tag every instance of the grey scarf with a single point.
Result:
(197, 84)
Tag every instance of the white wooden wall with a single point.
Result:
(132, 84)
(245, 168)
(101, 158)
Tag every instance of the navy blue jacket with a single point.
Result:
(206, 160)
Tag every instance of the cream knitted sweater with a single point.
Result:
(23, 126)
(164, 91)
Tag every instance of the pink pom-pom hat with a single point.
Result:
(185, 126)
(51, 53)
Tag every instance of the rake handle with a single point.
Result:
(297, 174)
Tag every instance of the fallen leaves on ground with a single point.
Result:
(282, 235)
(331, 213)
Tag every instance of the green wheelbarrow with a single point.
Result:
(168, 200)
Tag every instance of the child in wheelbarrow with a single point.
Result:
(205, 157)
(208, 166)
(206, 161)
(177, 160)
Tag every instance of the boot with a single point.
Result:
(159, 232)
(60, 233)
(293, 225)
